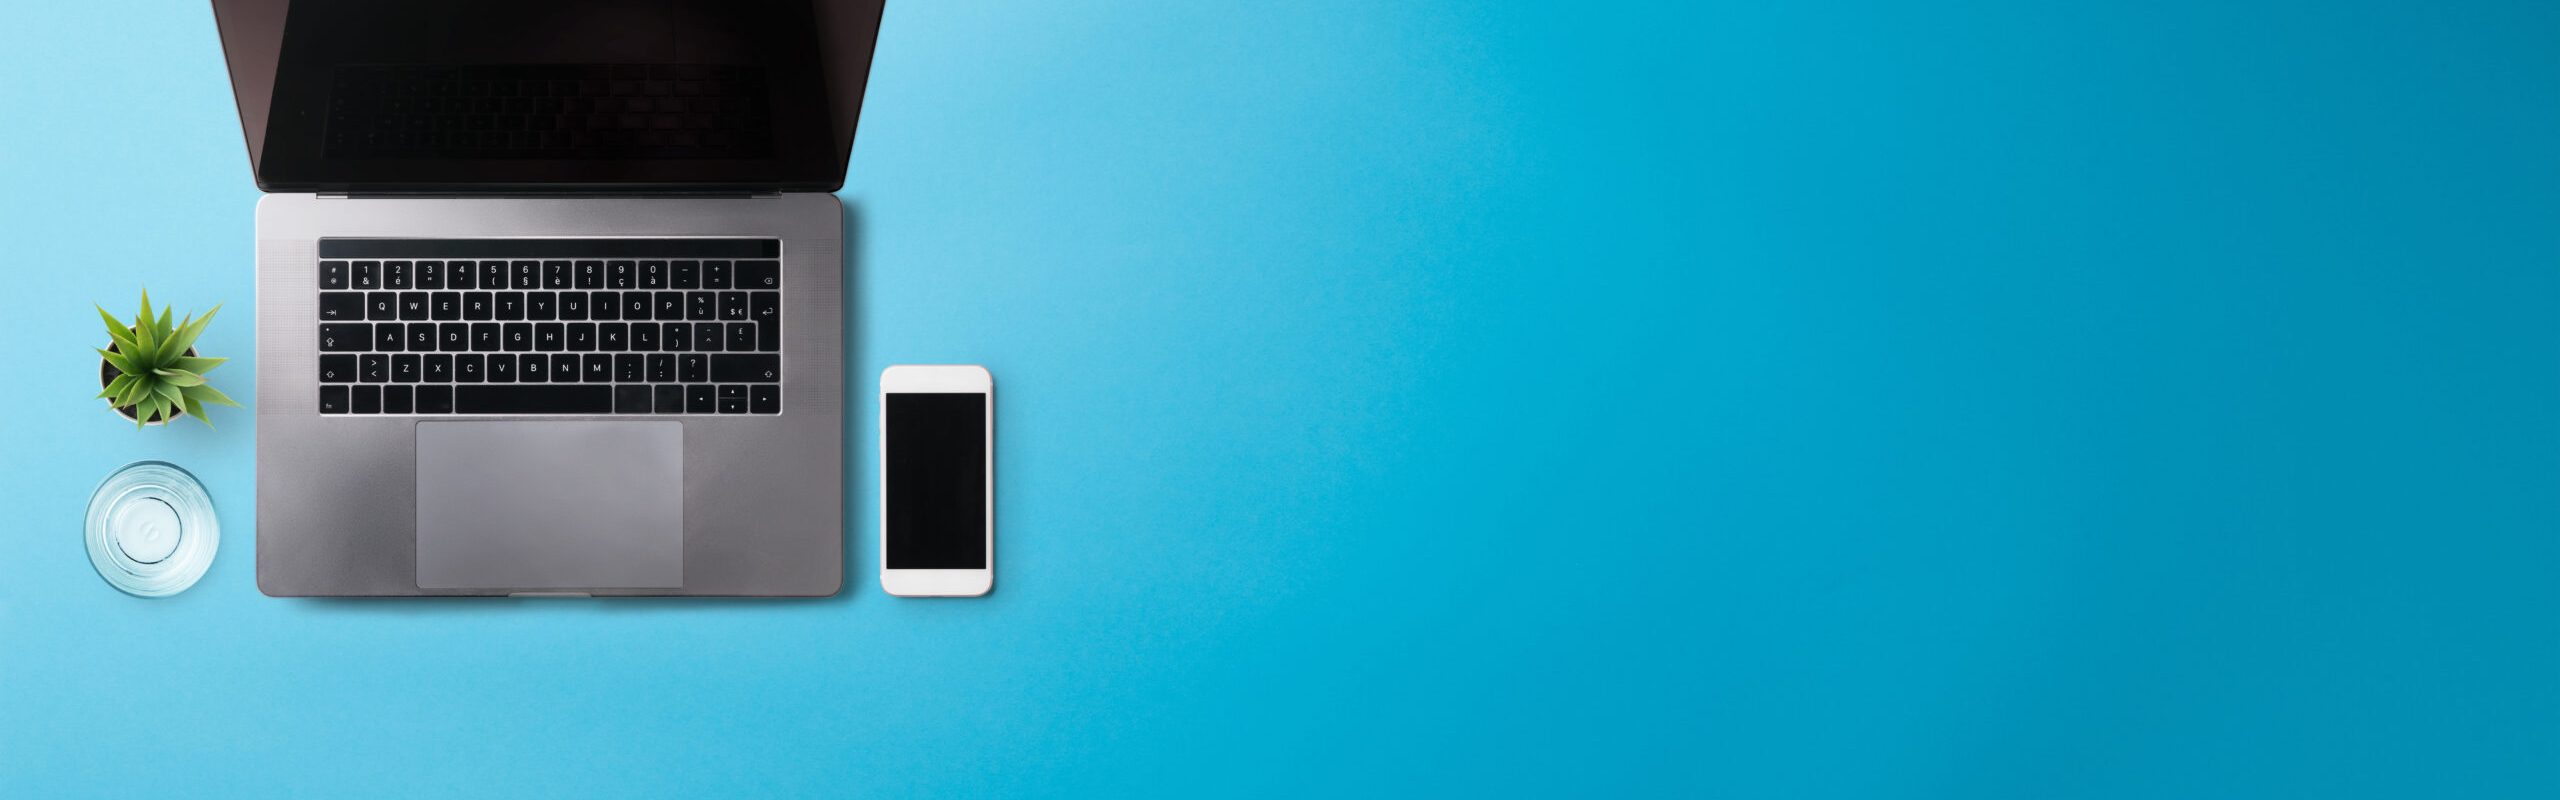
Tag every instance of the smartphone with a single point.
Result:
(937, 481)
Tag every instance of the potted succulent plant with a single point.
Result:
(150, 369)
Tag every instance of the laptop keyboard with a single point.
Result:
(550, 326)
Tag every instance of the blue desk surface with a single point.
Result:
(2014, 399)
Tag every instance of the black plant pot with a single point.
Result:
(107, 374)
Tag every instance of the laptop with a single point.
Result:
(550, 292)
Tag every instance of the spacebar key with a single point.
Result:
(533, 399)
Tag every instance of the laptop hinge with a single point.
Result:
(548, 195)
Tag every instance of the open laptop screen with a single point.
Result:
(549, 95)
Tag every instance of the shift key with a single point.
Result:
(746, 368)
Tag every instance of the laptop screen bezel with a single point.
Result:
(256, 38)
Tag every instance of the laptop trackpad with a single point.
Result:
(550, 505)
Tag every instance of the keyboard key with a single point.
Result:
(333, 275)
(523, 399)
(547, 337)
(627, 368)
(733, 305)
(564, 368)
(374, 368)
(764, 398)
(345, 337)
(381, 306)
(617, 275)
(742, 337)
(493, 274)
(366, 275)
(525, 274)
(759, 275)
(510, 305)
(670, 398)
(670, 306)
(715, 274)
(333, 399)
(701, 305)
(555, 274)
(541, 305)
(536, 369)
(338, 369)
(635, 305)
(604, 306)
(589, 274)
(708, 335)
(733, 399)
(453, 337)
(599, 368)
(388, 336)
(469, 368)
(437, 368)
(679, 336)
(404, 368)
(444, 305)
(396, 399)
(693, 368)
(430, 275)
(698, 399)
(688, 275)
(502, 368)
(746, 368)
(653, 274)
(767, 311)
(422, 337)
(518, 337)
(413, 305)
(582, 336)
(395, 275)
(435, 399)
(613, 336)
(477, 306)
(631, 399)
(485, 337)
(662, 368)
(644, 336)
(461, 275)
(573, 305)
(368, 399)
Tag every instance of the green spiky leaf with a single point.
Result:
(116, 387)
(117, 332)
(119, 361)
(206, 393)
(196, 410)
(196, 364)
(186, 334)
(179, 377)
(145, 340)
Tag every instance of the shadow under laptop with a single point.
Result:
(860, 517)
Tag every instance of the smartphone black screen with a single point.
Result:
(937, 448)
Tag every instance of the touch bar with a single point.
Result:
(550, 248)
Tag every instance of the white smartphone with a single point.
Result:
(937, 481)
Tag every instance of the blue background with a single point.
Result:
(1987, 399)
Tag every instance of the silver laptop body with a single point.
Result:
(702, 456)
